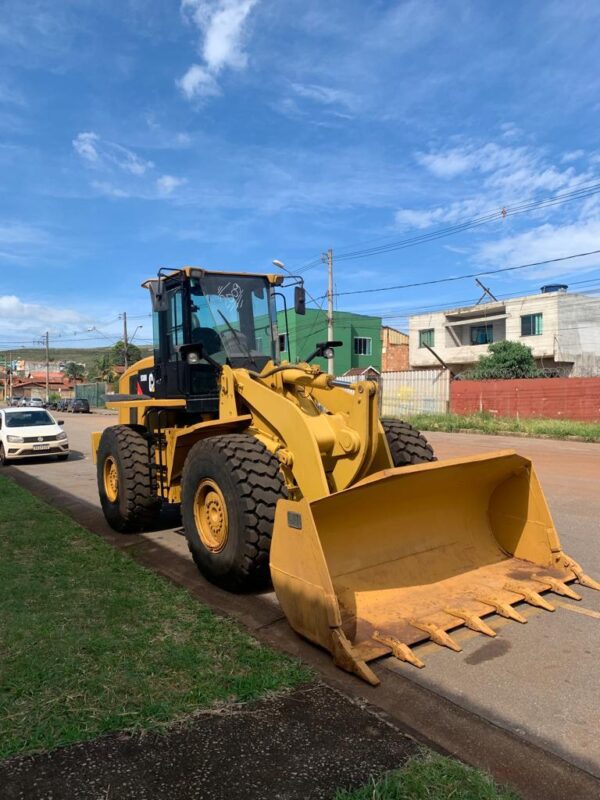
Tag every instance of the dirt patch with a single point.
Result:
(304, 745)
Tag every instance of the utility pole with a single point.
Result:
(327, 258)
(47, 369)
(10, 376)
(125, 342)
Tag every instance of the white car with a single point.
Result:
(27, 432)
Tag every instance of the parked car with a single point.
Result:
(63, 405)
(80, 406)
(22, 402)
(36, 402)
(31, 432)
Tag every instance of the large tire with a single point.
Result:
(229, 491)
(125, 482)
(407, 445)
(4, 462)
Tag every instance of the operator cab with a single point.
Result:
(230, 316)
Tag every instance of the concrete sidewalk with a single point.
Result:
(524, 705)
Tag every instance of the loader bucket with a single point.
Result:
(410, 553)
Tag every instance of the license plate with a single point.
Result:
(41, 447)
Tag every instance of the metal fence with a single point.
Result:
(94, 393)
(417, 391)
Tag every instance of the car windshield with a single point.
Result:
(231, 317)
(28, 419)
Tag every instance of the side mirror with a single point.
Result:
(300, 300)
(157, 294)
(324, 350)
(60, 422)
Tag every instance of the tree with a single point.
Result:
(74, 371)
(102, 370)
(117, 354)
(506, 360)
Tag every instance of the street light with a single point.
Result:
(280, 265)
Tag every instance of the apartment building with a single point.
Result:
(561, 328)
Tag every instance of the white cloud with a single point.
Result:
(107, 188)
(198, 82)
(102, 153)
(325, 95)
(85, 146)
(543, 242)
(222, 28)
(17, 316)
(448, 164)
(573, 155)
(499, 175)
(166, 184)
(19, 233)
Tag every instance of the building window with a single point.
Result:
(532, 325)
(427, 338)
(283, 345)
(362, 346)
(482, 334)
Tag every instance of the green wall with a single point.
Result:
(306, 331)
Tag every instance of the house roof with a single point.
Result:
(360, 371)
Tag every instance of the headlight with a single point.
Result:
(14, 439)
(61, 435)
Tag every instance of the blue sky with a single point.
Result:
(226, 133)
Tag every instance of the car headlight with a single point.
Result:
(61, 435)
(14, 439)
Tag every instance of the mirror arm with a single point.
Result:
(285, 313)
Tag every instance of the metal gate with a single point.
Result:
(94, 393)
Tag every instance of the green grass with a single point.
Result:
(431, 777)
(490, 423)
(91, 642)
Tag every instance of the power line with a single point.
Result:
(347, 254)
(507, 211)
(412, 310)
(469, 275)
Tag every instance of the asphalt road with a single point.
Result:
(539, 681)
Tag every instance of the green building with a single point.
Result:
(360, 334)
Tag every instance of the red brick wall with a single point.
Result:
(395, 358)
(554, 398)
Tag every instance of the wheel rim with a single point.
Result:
(111, 479)
(210, 515)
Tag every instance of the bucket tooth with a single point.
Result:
(399, 650)
(581, 577)
(471, 620)
(558, 587)
(436, 634)
(531, 597)
(504, 609)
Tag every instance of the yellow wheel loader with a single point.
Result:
(284, 474)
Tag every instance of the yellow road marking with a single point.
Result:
(578, 610)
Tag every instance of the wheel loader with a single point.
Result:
(285, 474)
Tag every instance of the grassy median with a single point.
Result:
(431, 777)
(490, 423)
(91, 642)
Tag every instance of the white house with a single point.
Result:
(561, 328)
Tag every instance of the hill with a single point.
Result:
(81, 355)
